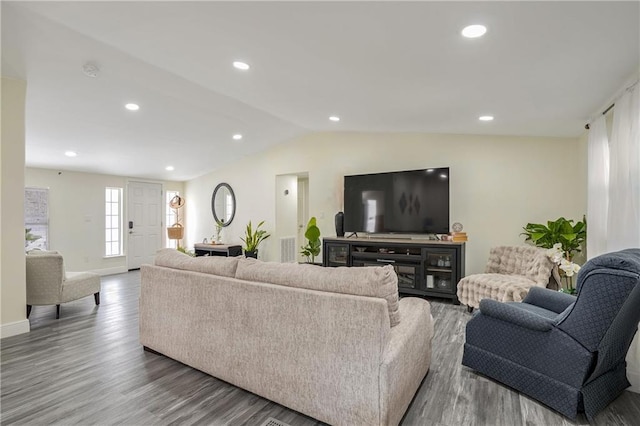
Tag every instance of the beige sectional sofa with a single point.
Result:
(333, 343)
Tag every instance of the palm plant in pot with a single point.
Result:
(312, 234)
(253, 238)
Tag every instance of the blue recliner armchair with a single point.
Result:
(565, 351)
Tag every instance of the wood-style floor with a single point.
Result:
(88, 368)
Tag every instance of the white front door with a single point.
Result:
(144, 222)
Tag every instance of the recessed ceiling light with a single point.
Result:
(334, 118)
(237, 137)
(241, 65)
(474, 31)
(485, 118)
(443, 176)
(71, 154)
(132, 107)
(169, 168)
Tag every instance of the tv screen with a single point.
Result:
(414, 201)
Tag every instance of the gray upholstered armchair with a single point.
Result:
(49, 284)
(567, 352)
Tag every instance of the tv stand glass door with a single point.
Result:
(409, 273)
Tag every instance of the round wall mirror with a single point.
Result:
(223, 204)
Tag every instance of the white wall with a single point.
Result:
(13, 315)
(254, 190)
(498, 183)
(76, 216)
(286, 196)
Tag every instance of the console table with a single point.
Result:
(424, 267)
(202, 249)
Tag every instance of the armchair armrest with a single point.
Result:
(512, 313)
(551, 300)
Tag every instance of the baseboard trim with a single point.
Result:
(110, 271)
(634, 379)
(14, 328)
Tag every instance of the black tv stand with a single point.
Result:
(424, 267)
(353, 234)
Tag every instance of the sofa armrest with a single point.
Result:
(551, 300)
(406, 359)
(510, 312)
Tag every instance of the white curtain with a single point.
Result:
(618, 226)
(597, 187)
(623, 217)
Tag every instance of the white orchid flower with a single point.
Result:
(569, 268)
(555, 253)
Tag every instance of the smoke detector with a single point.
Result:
(90, 69)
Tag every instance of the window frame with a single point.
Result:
(113, 234)
(170, 218)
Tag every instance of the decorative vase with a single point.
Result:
(568, 288)
(339, 219)
(253, 254)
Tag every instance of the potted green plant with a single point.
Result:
(312, 234)
(563, 239)
(29, 237)
(253, 238)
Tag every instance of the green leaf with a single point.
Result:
(566, 227)
(535, 236)
(312, 233)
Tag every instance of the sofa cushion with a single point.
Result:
(372, 281)
(503, 288)
(216, 265)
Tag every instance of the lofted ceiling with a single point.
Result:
(542, 69)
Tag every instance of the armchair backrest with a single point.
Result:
(45, 277)
(528, 261)
(606, 313)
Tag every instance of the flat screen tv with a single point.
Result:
(413, 201)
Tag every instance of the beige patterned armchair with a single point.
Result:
(48, 284)
(510, 272)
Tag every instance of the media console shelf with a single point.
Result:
(424, 267)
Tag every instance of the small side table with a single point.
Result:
(202, 249)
